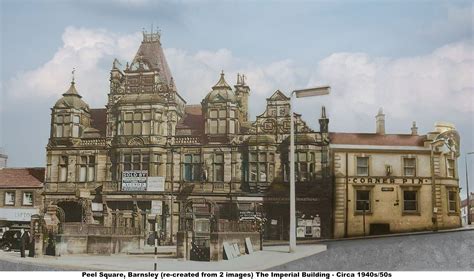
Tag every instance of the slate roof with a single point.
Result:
(22, 177)
(99, 120)
(192, 119)
(377, 139)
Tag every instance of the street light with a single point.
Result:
(467, 190)
(301, 93)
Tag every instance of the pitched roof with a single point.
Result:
(192, 119)
(21, 177)
(376, 139)
(99, 120)
(151, 51)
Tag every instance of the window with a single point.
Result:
(218, 122)
(410, 201)
(409, 166)
(63, 162)
(304, 167)
(219, 168)
(157, 162)
(213, 127)
(452, 201)
(362, 200)
(363, 166)
(451, 167)
(87, 168)
(260, 167)
(64, 124)
(192, 167)
(9, 198)
(137, 123)
(27, 198)
(135, 161)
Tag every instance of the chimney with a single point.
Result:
(323, 121)
(380, 122)
(414, 129)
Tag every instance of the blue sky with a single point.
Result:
(414, 58)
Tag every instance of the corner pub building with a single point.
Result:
(149, 161)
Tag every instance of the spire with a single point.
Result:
(72, 91)
(380, 122)
(323, 112)
(221, 83)
(414, 129)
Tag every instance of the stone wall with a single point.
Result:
(96, 244)
(218, 239)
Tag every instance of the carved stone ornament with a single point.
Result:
(137, 141)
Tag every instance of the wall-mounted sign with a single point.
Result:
(17, 214)
(156, 207)
(156, 184)
(134, 180)
(389, 180)
(387, 189)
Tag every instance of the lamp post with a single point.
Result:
(467, 190)
(301, 93)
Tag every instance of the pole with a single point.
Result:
(467, 190)
(363, 216)
(156, 246)
(292, 179)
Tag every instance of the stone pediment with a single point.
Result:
(278, 96)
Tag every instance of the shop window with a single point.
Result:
(362, 166)
(27, 198)
(87, 168)
(451, 167)
(9, 198)
(363, 200)
(63, 164)
(219, 167)
(192, 167)
(409, 166)
(410, 201)
(452, 201)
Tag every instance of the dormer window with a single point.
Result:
(67, 126)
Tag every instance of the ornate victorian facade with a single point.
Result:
(137, 162)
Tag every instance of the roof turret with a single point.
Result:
(221, 92)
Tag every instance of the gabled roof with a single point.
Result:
(278, 96)
(376, 139)
(21, 178)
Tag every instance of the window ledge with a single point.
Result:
(409, 213)
(453, 213)
(361, 213)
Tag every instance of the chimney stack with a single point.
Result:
(380, 122)
(414, 129)
(323, 121)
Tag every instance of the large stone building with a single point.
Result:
(388, 183)
(144, 158)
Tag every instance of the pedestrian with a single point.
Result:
(24, 241)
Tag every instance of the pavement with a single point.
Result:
(444, 251)
(261, 260)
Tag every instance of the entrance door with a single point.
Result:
(200, 250)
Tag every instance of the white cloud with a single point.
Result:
(441, 80)
(90, 51)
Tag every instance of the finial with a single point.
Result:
(380, 110)
(323, 112)
(243, 79)
(73, 71)
(222, 73)
(238, 78)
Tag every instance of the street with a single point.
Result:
(451, 251)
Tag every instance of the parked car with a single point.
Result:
(11, 240)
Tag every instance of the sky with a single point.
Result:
(413, 58)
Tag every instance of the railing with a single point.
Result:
(187, 140)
